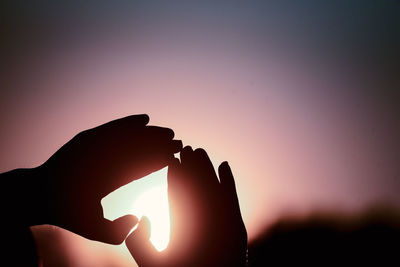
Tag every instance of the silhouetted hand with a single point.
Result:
(206, 225)
(95, 163)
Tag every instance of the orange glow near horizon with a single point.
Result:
(148, 197)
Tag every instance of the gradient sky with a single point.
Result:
(301, 97)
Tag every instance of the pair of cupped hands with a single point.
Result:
(206, 227)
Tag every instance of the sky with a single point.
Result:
(301, 98)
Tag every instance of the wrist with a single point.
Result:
(34, 192)
(23, 200)
(39, 194)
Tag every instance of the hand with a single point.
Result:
(95, 163)
(206, 225)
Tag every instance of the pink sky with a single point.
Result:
(300, 135)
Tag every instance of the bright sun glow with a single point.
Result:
(148, 197)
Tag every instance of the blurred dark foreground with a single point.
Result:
(324, 239)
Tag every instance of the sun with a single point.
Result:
(154, 205)
(148, 197)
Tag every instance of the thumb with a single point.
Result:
(139, 245)
(114, 232)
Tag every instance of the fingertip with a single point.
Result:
(173, 171)
(186, 154)
(224, 166)
(113, 232)
(141, 232)
(201, 152)
(139, 245)
(144, 118)
(145, 222)
(177, 145)
(171, 133)
(225, 174)
(137, 119)
(202, 156)
(161, 133)
(187, 149)
(144, 228)
(127, 221)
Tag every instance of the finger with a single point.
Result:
(184, 202)
(186, 207)
(159, 132)
(175, 183)
(228, 185)
(226, 176)
(153, 140)
(200, 174)
(155, 145)
(126, 123)
(196, 193)
(190, 174)
(138, 244)
(173, 170)
(186, 155)
(149, 139)
(205, 169)
(114, 232)
(232, 215)
(166, 146)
